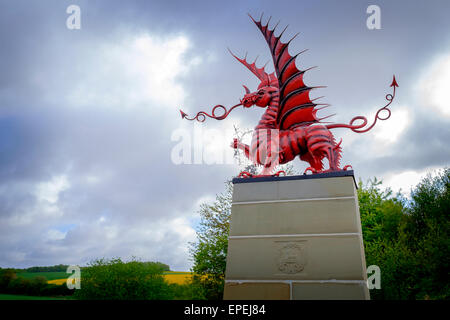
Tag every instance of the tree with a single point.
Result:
(427, 234)
(6, 276)
(210, 251)
(408, 238)
(117, 280)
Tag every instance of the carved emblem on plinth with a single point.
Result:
(292, 256)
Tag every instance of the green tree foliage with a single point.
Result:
(163, 266)
(114, 279)
(210, 251)
(427, 233)
(37, 286)
(408, 239)
(6, 276)
(56, 268)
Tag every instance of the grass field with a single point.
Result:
(59, 278)
(47, 275)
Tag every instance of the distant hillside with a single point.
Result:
(63, 268)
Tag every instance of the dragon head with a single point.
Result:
(266, 89)
(260, 98)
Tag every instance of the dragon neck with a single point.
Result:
(269, 118)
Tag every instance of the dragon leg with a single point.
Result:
(263, 151)
(321, 144)
(260, 158)
(236, 144)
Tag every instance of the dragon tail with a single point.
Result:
(360, 128)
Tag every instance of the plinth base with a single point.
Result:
(296, 238)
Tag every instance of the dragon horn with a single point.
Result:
(247, 91)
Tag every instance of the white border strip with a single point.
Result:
(349, 234)
(291, 200)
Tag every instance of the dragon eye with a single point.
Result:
(261, 92)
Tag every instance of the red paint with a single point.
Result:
(290, 111)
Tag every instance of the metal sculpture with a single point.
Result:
(290, 120)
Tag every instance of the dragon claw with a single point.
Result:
(245, 174)
(310, 169)
(234, 144)
(277, 174)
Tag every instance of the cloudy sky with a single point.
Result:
(89, 118)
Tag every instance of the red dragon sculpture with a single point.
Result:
(289, 126)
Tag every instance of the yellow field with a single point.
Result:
(57, 281)
(177, 277)
(170, 276)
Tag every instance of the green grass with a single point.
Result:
(48, 275)
(21, 297)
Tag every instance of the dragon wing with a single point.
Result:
(265, 78)
(295, 108)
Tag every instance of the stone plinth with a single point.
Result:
(296, 237)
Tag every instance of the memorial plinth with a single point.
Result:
(295, 238)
